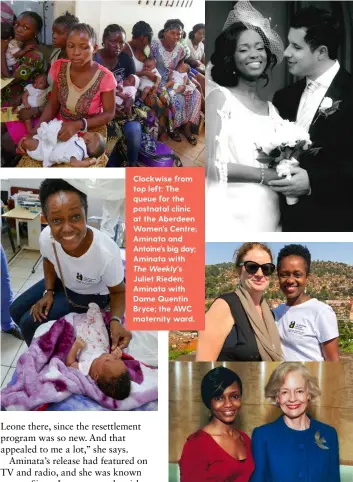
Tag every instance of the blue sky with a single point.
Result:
(340, 252)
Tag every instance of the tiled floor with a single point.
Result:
(191, 156)
(21, 278)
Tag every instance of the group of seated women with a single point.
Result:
(123, 85)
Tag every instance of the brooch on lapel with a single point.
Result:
(320, 441)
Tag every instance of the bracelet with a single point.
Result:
(116, 318)
(262, 175)
(84, 128)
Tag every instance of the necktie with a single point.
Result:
(306, 114)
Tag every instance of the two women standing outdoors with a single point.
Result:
(240, 326)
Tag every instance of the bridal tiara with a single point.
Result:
(245, 13)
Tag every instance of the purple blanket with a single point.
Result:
(43, 377)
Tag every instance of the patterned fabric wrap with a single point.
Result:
(148, 143)
(186, 106)
(25, 71)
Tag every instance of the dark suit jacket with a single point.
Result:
(329, 207)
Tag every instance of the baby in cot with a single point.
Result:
(45, 147)
(126, 93)
(35, 95)
(179, 81)
(90, 354)
(146, 84)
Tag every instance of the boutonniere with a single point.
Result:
(320, 441)
(328, 106)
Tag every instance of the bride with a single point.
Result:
(238, 198)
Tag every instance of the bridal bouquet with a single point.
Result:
(285, 146)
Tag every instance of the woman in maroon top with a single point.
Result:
(218, 452)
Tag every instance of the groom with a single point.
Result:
(322, 102)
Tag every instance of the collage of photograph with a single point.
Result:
(258, 97)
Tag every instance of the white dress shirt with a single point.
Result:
(322, 85)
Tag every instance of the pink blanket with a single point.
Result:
(42, 376)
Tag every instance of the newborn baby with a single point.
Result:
(91, 348)
(44, 146)
(146, 84)
(179, 80)
(35, 95)
(126, 93)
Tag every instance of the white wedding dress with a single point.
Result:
(235, 209)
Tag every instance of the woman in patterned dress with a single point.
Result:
(61, 28)
(168, 52)
(83, 91)
(138, 48)
(125, 129)
(27, 27)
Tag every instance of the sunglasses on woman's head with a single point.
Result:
(252, 267)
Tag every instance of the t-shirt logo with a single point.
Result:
(79, 277)
(292, 324)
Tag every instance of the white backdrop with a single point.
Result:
(127, 12)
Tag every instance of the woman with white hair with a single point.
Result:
(295, 446)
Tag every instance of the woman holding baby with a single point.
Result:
(138, 49)
(168, 53)
(83, 90)
(24, 70)
(30, 64)
(125, 126)
(82, 265)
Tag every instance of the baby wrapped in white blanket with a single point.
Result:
(45, 146)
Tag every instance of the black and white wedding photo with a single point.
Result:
(279, 116)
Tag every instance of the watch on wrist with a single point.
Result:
(116, 318)
(46, 291)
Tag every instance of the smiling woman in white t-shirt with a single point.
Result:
(307, 327)
(87, 265)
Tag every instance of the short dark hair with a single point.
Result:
(100, 147)
(112, 28)
(224, 70)
(118, 388)
(295, 250)
(52, 186)
(7, 31)
(142, 29)
(195, 28)
(85, 28)
(67, 19)
(216, 381)
(37, 19)
(322, 29)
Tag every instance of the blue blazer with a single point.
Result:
(282, 454)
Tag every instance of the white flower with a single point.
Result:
(326, 104)
(286, 134)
